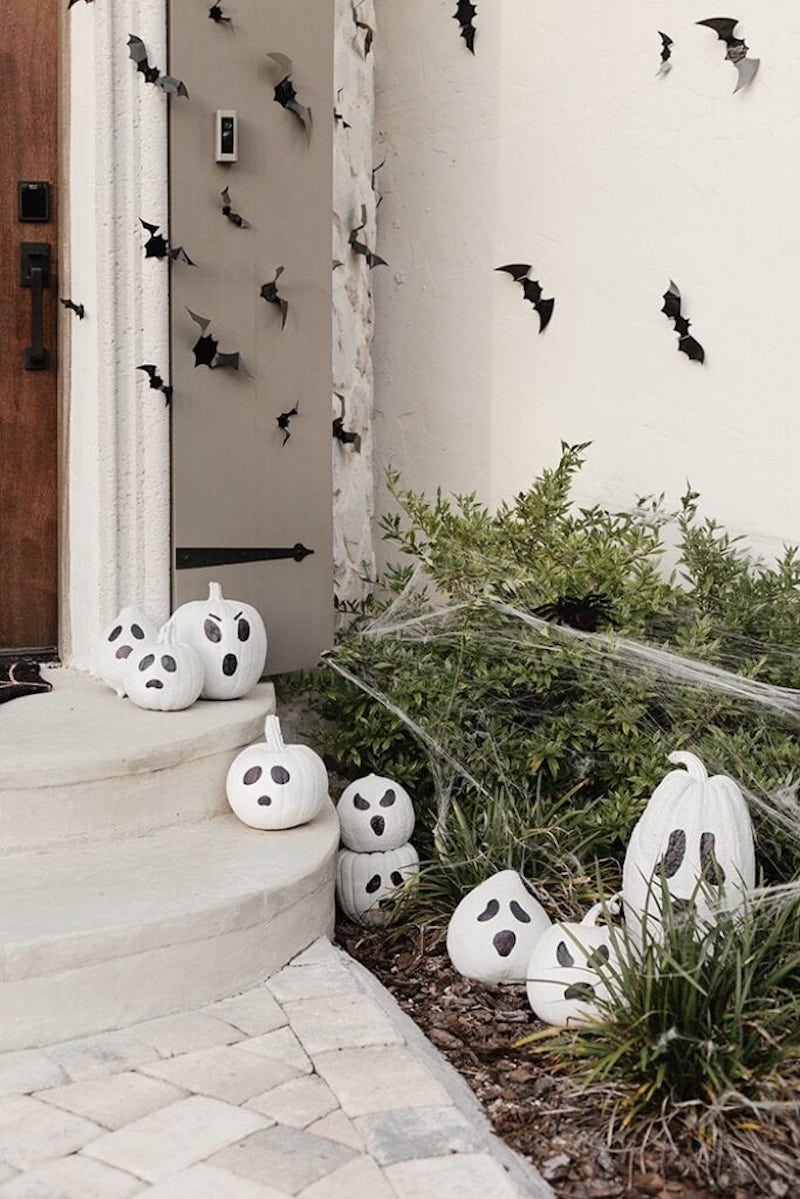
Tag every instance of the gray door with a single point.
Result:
(239, 482)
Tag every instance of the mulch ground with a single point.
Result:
(538, 1112)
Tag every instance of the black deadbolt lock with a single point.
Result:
(34, 201)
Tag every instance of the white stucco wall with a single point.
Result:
(558, 145)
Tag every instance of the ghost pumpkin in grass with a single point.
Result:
(694, 839)
(568, 972)
(272, 785)
(230, 638)
(375, 813)
(126, 633)
(366, 882)
(494, 929)
(163, 675)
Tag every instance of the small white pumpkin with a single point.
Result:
(565, 973)
(364, 880)
(131, 628)
(493, 930)
(375, 813)
(271, 785)
(230, 638)
(163, 675)
(695, 838)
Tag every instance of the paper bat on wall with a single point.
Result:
(666, 54)
(138, 53)
(205, 349)
(235, 218)
(156, 382)
(216, 14)
(285, 93)
(269, 292)
(531, 290)
(342, 435)
(465, 15)
(157, 246)
(360, 247)
(746, 68)
(369, 32)
(672, 309)
(78, 309)
(284, 419)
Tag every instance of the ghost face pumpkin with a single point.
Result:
(162, 675)
(375, 813)
(494, 929)
(694, 839)
(364, 881)
(276, 786)
(569, 971)
(230, 638)
(130, 629)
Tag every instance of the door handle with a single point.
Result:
(34, 272)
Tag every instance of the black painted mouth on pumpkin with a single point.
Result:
(504, 942)
(124, 651)
(230, 664)
(264, 800)
(579, 991)
(377, 824)
(156, 684)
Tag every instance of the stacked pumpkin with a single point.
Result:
(214, 648)
(376, 819)
(692, 849)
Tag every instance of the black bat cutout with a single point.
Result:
(206, 348)
(583, 613)
(342, 435)
(156, 382)
(216, 14)
(157, 246)
(269, 292)
(284, 419)
(369, 32)
(746, 68)
(465, 15)
(360, 247)
(337, 116)
(666, 54)
(531, 290)
(235, 218)
(672, 308)
(78, 309)
(138, 54)
(285, 93)
(21, 678)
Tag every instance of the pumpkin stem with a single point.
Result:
(215, 591)
(166, 634)
(606, 907)
(272, 732)
(694, 766)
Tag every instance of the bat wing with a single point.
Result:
(692, 349)
(723, 27)
(226, 197)
(282, 61)
(465, 14)
(545, 311)
(137, 50)
(517, 270)
(150, 228)
(173, 87)
(178, 254)
(229, 360)
(747, 69)
(672, 302)
(149, 369)
(202, 321)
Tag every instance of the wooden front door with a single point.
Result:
(28, 395)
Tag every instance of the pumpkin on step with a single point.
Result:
(565, 972)
(494, 929)
(117, 643)
(271, 785)
(365, 880)
(163, 675)
(375, 813)
(694, 838)
(230, 638)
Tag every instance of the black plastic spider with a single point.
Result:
(582, 613)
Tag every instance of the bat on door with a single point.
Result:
(156, 382)
(746, 68)
(206, 348)
(138, 53)
(235, 218)
(672, 309)
(360, 247)
(342, 435)
(666, 54)
(269, 292)
(284, 419)
(531, 290)
(369, 32)
(157, 246)
(285, 93)
(216, 14)
(465, 15)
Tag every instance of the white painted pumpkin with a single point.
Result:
(118, 641)
(364, 880)
(230, 638)
(695, 838)
(271, 785)
(493, 930)
(163, 675)
(375, 813)
(565, 977)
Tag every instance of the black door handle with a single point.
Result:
(34, 272)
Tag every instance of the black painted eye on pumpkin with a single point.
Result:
(396, 878)
(388, 799)
(115, 632)
(147, 661)
(169, 663)
(711, 869)
(518, 910)
(138, 632)
(243, 629)
(491, 909)
(373, 884)
(252, 775)
(676, 852)
(279, 775)
(599, 957)
(212, 631)
(563, 955)
(360, 803)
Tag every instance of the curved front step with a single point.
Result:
(98, 936)
(79, 763)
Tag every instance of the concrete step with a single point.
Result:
(98, 935)
(78, 763)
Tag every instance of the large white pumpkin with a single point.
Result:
(275, 786)
(375, 813)
(230, 638)
(117, 642)
(162, 675)
(364, 880)
(494, 929)
(694, 838)
(565, 972)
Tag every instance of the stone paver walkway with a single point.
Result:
(313, 1085)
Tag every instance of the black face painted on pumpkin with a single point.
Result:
(566, 972)
(230, 638)
(277, 775)
(124, 639)
(505, 939)
(710, 871)
(494, 929)
(367, 883)
(375, 813)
